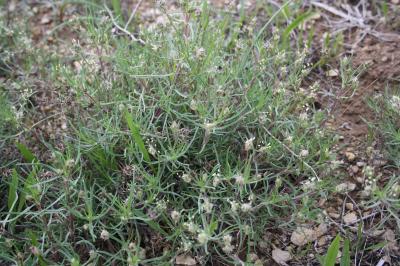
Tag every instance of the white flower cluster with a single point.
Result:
(202, 237)
(186, 177)
(227, 241)
(239, 179)
(395, 191)
(207, 205)
(395, 103)
(243, 207)
(370, 181)
(249, 144)
(175, 216)
(310, 184)
(217, 177)
(151, 144)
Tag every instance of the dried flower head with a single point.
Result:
(200, 53)
(207, 205)
(239, 179)
(105, 235)
(175, 216)
(395, 103)
(191, 227)
(304, 153)
(132, 246)
(216, 181)
(186, 177)
(70, 163)
(234, 206)
(228, 248)
(246, 207)
(202, 238)
(249, 144)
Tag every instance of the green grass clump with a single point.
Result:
(192, 141)
(7, 116)
(387, 128)
(387, 109)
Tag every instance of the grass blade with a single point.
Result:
(28, 190)
(12, 191)
(116, 4)
(26, 153)
(333, 250)
(345, 260)
(135, 131)
(296, 23)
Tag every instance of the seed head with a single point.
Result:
(249, 144)
(246, 207)
(304, 153)
(175, 216)
(208, 206)
(105, 235)
(202, 238)
(239, 179)
(187, 178)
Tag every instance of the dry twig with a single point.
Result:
(123, 29)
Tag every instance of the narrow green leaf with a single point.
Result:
(116, 4)
(213, 226)
(33, 238)
(292, 26)
(75, 262)
(28, 189)
(345, 260)
(12, 191)
(333, 250)
(378, 246)
(26, 153)
(153, 225)
(135, 131)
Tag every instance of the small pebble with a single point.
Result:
(345, 187)
(355, 169)
(350, 218)
(360, 180)
(360, 164)
(350, 156)
(334, 215)
(349, 206)
(379, 163)
(322, 241)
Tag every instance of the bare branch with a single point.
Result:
(122, 29)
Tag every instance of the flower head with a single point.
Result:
(248, 145)
(105, 235)
(246, 207)
(175, 216)
(304, 153)
(202, 238)
(239, 179)
(234, 206)
(186, 177)
(207, 205)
